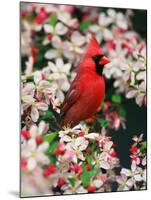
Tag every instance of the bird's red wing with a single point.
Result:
(72, 96)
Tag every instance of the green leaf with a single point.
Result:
(143, 147)
(87, 175)
(50, 81)
(53, 20)
(48, 115)
(72, 181)
(104, 123)
(52, 159)
(50, 137)
(102, 105)
(116, 98)
(84, 25)
(40, 57)
(69, 76)
(30, 17)
(122, 112)
(89, 158)
(53, 147)
(30, 78)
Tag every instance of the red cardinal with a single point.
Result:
(87, 90)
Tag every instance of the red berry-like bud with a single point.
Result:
(43, 76)
(85, 17)
(114, 145)
(81, 134)
(35, 50)
(77, 168)
(25, 134)
(107, 104)
(134, 158)
(88, 167)
(99, 109)
(24, 13)
(88, 150)
(60, 149)
(121, 30)
(46, 173)
(110, 44)
(34, 57)
(23, 164)
(91, 188)
(90, 120)
(61, 182)
(133, 149)
(51, 168)
(49, 36)
(113, 154)
(41, 16)
(96, 142)
(39, 140)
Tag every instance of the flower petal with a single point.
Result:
(31, 164)
(59, 63)
(65, 86)
(125, 171)
(60, 95)
(28, 99)
(28, 89)
(42, 106)
(141, 76)
(50, 54)
(132, 93)
(31, 144)
(130, 182)
(67, 68)
(61, 29)
(33, 131)
(43, 127)
(98, 183)
(139, 99)
(77, 38)
(37, 77)
(34, 114)
(48, 28)
(43, 147)
(56, 42)
(138, 177)
(92, 135)
(104, 165)
(42, 158)
(94, 28)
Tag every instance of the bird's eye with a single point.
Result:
(97, 58)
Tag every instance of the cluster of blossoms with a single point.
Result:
(127, 52)
(128, 67)
(48, 87)
(68, 162)
(81, 159)
(64, 36)
(134, 178)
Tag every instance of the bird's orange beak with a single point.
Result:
(104, 60)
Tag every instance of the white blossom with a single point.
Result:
(35, 154)
(59, 29)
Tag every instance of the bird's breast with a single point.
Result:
(92, 94)
(91, 97)
(93, 91)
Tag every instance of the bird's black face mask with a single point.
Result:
(99, 67)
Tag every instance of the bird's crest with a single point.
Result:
(93, 48)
